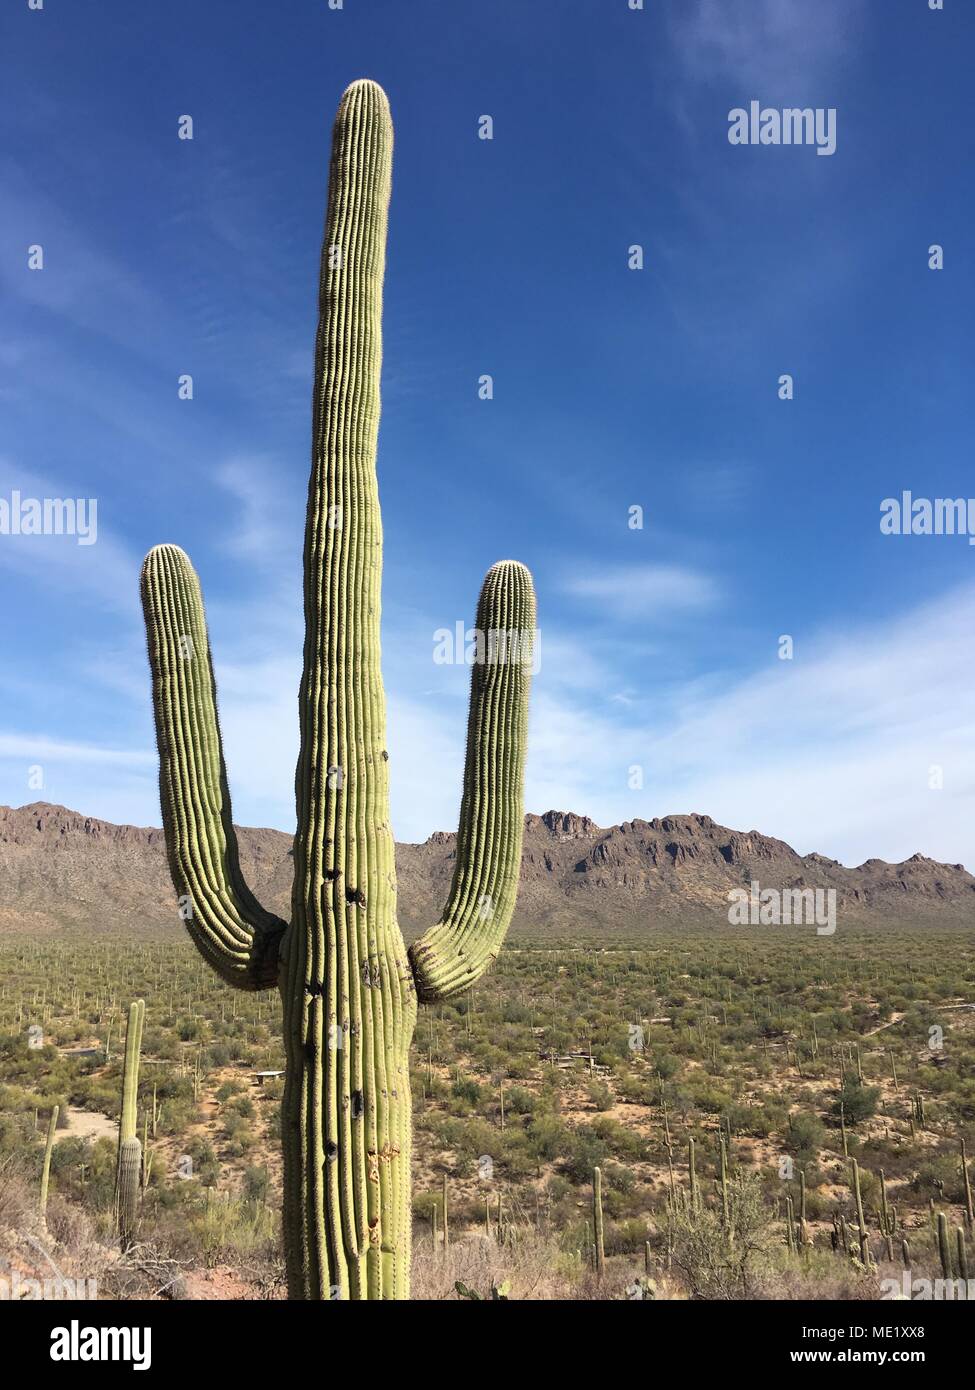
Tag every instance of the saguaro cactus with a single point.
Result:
(348, 987)
(944, 1245)
(861, 1224)
(127, 1200)
(597, 1220)
(129, 1157)
(46, 1166)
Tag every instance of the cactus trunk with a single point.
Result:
(597, 1220)
(127, 1196)
(348, 986)
(125, 1201)
(861, 1224)
(944, 1245)
(967, 1183)
(46, 1166)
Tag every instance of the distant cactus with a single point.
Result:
(888, 1213)
(967, 1182)
(348, 986)
(129, 1171)
(725, 1210)
(597, 1219)
(46, 1166)
(861, 1224)
(944, 1245)
(126, 1199)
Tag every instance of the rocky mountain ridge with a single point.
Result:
(61, 870)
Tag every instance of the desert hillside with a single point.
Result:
(61, 869)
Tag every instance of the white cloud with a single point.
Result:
(769, 45)
(831, 752)
(661, 591)
(105, 571)
(268, 522)
(42, 748)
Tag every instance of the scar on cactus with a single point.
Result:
(349, 988)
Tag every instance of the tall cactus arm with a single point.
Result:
(227, 924)
(457, 951)
(130, 1069)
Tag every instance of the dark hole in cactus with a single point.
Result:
(331, 1149)
(316, 989)
(355, 895)
(385, 756)
(357, 1105)
(332, 874)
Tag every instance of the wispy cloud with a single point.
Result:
(266, 520)
(105, 572)
(833, 751)
(42, 748)
(769, 45)
(666, 591)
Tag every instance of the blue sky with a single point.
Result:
(613, 388)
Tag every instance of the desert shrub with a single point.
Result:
(719, 1262)
(854, 1101)
(583, 1152)
(600, 1096)
(805, 1136)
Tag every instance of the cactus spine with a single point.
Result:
(349, 989)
